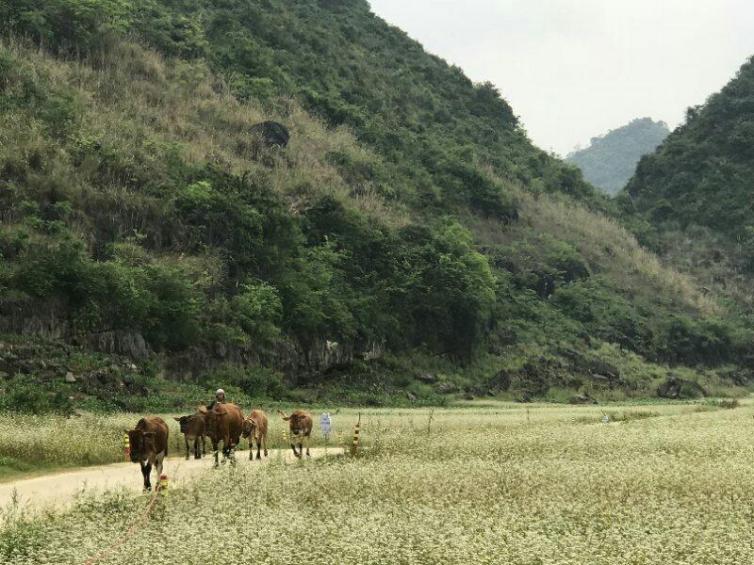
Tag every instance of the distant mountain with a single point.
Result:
(610, 161)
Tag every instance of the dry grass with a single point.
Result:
(606, 245)
(135, 99)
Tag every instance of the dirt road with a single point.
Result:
(60, 489)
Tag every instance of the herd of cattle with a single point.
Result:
(222, 422)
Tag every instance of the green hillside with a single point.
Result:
(695, 193)
(610, 160)
(409, 241)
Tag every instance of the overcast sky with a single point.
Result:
(574, 69)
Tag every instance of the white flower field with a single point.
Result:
(486, 483)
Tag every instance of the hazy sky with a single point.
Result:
(573, 69)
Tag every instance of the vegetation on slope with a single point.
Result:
(409, 226)
(610, 160)
(691, 200)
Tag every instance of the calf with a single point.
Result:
(255, 428)
(149, 446)
(194, 428)
(300, 424)
(223, 424)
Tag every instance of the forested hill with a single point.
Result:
(696, 192)
(409, 241)
(610, 160)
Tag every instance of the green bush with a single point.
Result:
(23, 394)
(257, 383)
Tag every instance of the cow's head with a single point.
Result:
(141, 445)
(213, 417)
(296, 421)
(248, 428)
(184, 422)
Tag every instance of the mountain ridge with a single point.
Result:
(610, 160)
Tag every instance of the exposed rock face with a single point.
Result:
(502, 380)
(51, 324)
(120, 342)
(287, 356)
(271, 134)
(321, 355)
(428, 378)
(446, 388)
(676, 388)
(582, 399)
(48, 320)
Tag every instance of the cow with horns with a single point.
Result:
(193, 429)
(300, 425)
(149, 446)
(223, 424)
(255, 428)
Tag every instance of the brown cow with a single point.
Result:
(255, 428)
(149, 446)
(223, 423)
(300, 424)
(194, 428)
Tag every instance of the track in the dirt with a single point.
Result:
(60, 489)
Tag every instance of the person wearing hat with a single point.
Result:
(219, 398)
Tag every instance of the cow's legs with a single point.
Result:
(226, 449)
(251, 448)
(232, 454)
(259, 447)
(229, 452)
(307, 439)
(185, 439)
(264, 438)
(159, 459)
(293, 447)
(146, 470)
(197, 448)
(215, 452)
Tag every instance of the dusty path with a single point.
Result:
(57, 490)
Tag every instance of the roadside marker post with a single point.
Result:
(356, 434)
(163, 484)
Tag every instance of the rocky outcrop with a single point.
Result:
(677, 388)
(427, 378)
(48, 320)
(131, 344)
(582, 399)
(271, 134)
(287, 356)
